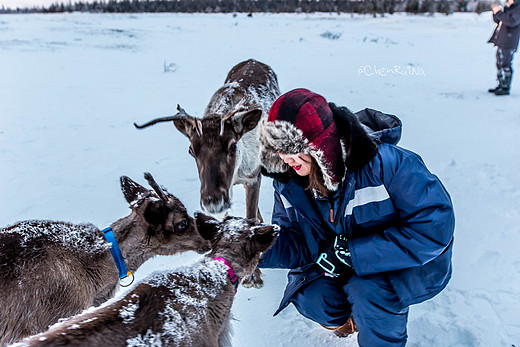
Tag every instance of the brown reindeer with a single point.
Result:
(223, 144)
(187, 307)
(50, 270)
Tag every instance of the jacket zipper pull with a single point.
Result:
(331, 215)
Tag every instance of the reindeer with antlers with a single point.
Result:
(223, 142)
(50, 270)
(189, 306)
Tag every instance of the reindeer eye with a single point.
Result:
(233, 148)
(182, 226)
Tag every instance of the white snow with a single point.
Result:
(73, 84)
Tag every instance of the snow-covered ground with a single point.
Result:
(72, 84)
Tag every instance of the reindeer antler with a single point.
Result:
(181, 111)
(148, 176)
(180, 114)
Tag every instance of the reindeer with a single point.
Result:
(223, 144)
(50, 269)
(187, 307)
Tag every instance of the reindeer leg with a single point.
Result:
(252, 196)
(259, 216)
(253, 280)
(252, 211)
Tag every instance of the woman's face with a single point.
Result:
(301, 163)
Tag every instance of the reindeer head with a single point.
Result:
(238, 240)
(214, 143)
(159, 223)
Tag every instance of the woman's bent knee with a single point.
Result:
(323, 301)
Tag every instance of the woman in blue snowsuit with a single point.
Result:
(366, 229)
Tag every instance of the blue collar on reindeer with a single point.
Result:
(118, 257)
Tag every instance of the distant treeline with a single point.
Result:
(274, 6)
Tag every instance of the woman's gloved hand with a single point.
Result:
(336, 260)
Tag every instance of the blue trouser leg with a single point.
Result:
(378, 313)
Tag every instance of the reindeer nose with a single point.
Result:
(215, 205)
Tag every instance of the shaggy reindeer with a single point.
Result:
(222, 143)
(187, 307)
(50, 270)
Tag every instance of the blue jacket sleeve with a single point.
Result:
(290, 250)
(426, 218)
(509, 18)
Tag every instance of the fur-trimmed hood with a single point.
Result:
(360, 134)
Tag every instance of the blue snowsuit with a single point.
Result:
(399, 221)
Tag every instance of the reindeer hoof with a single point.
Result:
(253, 280)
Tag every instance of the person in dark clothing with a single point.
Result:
(366, 229)
(505, 38)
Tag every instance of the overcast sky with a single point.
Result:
(29, 3)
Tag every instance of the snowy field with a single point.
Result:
(72, 84)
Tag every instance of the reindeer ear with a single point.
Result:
(156, 213)
(265, 236)
(245, 121)
(186, 125)
(207, 226)
(131, 190)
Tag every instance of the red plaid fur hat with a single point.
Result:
(301, 121)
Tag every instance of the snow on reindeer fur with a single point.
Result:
(232, 228)
(75, 236)
(221, 106)
(261, 95)
(127, 312)
(185, 313)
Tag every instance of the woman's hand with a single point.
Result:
(336, 260)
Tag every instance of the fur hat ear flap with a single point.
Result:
(281, 137)
(272, 161)
(283, 177)
(360, 147)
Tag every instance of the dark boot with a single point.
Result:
(492, 90)
(505, 83)
(502, 91)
